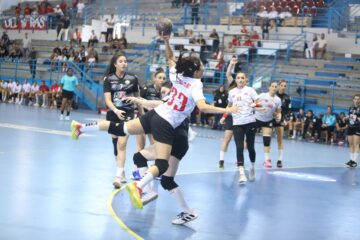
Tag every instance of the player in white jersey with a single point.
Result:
(15, 92)
(8, 90)
(3, 87)
(34, 93)
(25, 92)
(186, 93)
(269, 106)
(244, 123)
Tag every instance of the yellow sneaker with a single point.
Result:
(135, 194)
(75, 129)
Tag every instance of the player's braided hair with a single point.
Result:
(187, 64)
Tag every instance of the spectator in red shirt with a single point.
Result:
(244, 30)
(63, 6)
(248, 42)
(255, 36)
(235, 41)
(42, 9)
(49, 9)
(27, 10)
(43, 91)
(18, 10)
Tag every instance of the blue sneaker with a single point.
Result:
(136, 175)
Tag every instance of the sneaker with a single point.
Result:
(67, 118)
(61, 117)
(135, 194)
(351, 164)
(192, 134)
(148, 196)
(36, 105)
(279, 164)
(221, 164)
(267, 163)
(75, 129)
(136, 175)
(293, 136)
(242, 177)
(184, 217)
(122, 178)
(43, 106)
(252, 174)
(117, 183)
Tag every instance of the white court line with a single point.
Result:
(36, 129)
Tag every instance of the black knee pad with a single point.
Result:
(267, 140)
(139, 160)
(162, 165)
(114, 141)
(117, 129)
(168, 183)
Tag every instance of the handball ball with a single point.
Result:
(164, 27)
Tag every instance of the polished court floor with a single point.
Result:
(55, 188)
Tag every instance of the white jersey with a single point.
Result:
(17, 88)
(243, 97)
(182, 100)
(270, 105)
(4, 85)
(26, 87)
(11, 85)
(34, 88)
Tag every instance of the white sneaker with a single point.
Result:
(61, 117)
(43, 106)
(36, 105)
(185, 217)
(67, 118)
(192, 134)
(242, 177)
(252, 174)
(148, 196)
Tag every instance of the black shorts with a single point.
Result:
(161, 129)
(112, 117)
(228, 123)
(67, 94)
(353, 131)
(181, 144)
(279, 124)
(269, 124)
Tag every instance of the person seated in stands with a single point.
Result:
(27, 10)
(243, 30)
(5, 39)
(285, 13)
(63, 6)
(54, 61)
(248, 42)
(91, 60)
(83, 54)
(15, 52)
(54, 95)
(43, 93)
(273, 16)
(310, 51)
(123, 41)
(235, 41)
(261, 16)
(111, 43)
(321, 46)
(57, 50)
(41, 9)
(214, 35)
(80, 8)
(219, 66)
(18, 10)
(191, 36)
(312, 123)
(3, 50)
(255, 36)
(93, 39)
(320, 3)
(76, 37)
(92, 51)
(328, 125)
(229, 48)
(342, 124)
(201, 37)
(65, 51)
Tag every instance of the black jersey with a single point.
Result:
(311, 120)
(342, 122)
(121, 88)
(354, 115)
(285, 104)
(149, 92)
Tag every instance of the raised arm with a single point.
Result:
(169, 54)
(230, 70)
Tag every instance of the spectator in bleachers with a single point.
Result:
(109, 27)
(195, 4)
(273, 16)
(34, 97)
(328, 124)
(27, 10)
(248, 42)
(65, 51)
(76, 37)
(54, 94)
(58, 12)
(26, 45)
(92, 51)
(261, 16)
(214, 35)
(3, 50)
(42, 8)
(63, 6)
(200, 39)
(6, 40)
(43, 93)
(15, 52)
(32, 62)
(229, 48)
(310, 51)
(80, 9)
(93, 39)
(91, 61)
(244, 30)
(255, 36)
(266, 27)
(311, 123)
(57, 50)
(25, 92)
(18, 10)
(341, 128)
(221, 63)
(123, 41)
(321, 46)
(235, 41)
(285, 13)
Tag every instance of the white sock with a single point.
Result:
(267, 156)
(280, 152)
(145, 180)
(93, 126)
(242, 170)
(142, 171)
(178, 195)
(356, 155)
(222, 155)
(119, 171)
(351, 156)
(294, 134)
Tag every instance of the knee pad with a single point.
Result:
(267, 140)
(162, 165)
(139, 160)
(117, 129)
(114, 141)
(168, 183)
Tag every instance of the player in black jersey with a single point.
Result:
(354, 131)
(119, 84)
(285, 116)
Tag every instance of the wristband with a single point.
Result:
(225, 115)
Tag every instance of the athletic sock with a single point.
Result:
(267, 156)
(119, 171)
(90, 126)
(356, 155)
(280, 152)
(222, 155)
(178, 195)
(148, 177)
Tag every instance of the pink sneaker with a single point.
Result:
(267, 163)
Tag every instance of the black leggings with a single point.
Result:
(240, 131)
